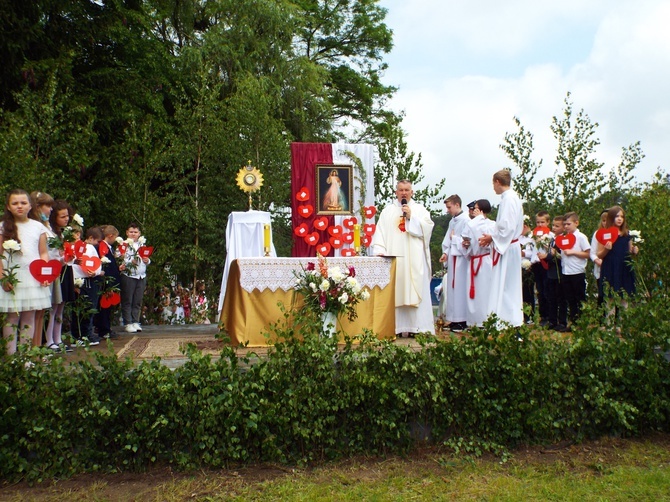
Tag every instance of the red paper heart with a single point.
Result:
(90, 263)
(303, 194)
(305, 210)
(321, 223)
(301, 230)
(350, 222)
(348, 252)
(145, 251)
(324, 249)
(348, 237)
(109, 299)
(370, 211)
(45, 271)
(336, 242)
(335, 230)
(540, 231)
(68, 252)
(605, 235)
(122, 248)
(79, 249)
(565, 241)
(369, 228)
(366, 240)
(312, 239)
(103, 248)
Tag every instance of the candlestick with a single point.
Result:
(357, 238)
(266, 239)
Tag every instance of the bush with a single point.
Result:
(308, 401)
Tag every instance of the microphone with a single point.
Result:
(403, 202)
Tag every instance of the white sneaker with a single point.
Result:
(130, 328)
(137, 327)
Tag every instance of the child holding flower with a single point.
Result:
(616, 270)
(22, 240)
(133, 279)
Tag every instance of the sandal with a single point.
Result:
(54, 347)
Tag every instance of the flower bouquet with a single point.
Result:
(9, 271)
(635, 237)
(330, 289)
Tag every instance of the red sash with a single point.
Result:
(474, 272)
(496, 255)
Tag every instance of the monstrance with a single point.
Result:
(249, 179)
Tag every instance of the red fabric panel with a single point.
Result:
(304, 158)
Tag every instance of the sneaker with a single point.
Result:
(457, 327)
(130, 328)
(137, 327)
(80, 343)
(93, 340)
(67, 348)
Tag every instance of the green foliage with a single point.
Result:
(309, 400)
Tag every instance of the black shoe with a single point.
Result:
(94, 340)
(457, 327)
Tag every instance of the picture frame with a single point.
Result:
(334, 189)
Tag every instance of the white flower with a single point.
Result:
(312, 286)
(336, 274)
(636, 236)
(525, 264)
(526, 218)
(11, 245)
(78, 220)
(141, 240)
(119, 240)
(343, 298)
(105, 260)
(325, 285)
(365, 295)
(79, 282)
(129, 241)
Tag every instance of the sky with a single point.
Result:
(465, 68)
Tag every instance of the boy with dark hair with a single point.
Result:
(454, 254)
(133, 279)
(573, 266)
(556, 304)
(87, 297)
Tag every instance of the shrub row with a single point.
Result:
(308, 401)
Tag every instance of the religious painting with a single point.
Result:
(334, 189)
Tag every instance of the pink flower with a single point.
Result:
(352, 272)
(311, 266)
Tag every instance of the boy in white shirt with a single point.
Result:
(82, 317)
(573, 267)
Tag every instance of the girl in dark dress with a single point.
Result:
(616, 270)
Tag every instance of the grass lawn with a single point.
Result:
(607, 469)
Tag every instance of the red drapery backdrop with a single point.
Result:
(304, 158)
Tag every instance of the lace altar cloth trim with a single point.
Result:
(278, 273)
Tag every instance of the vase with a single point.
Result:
(329, 324)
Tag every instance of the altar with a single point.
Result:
(255, 286)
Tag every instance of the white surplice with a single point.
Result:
(479, 270)
(413, 308)
(457, 269)
(506, 295)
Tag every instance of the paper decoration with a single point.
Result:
(349, 223)
(90, 263)
(305, 210)
(605, 235)
(366, 240)
(348, 252)
(336, 242)
(123, 247)
(302, 195)
(335, 230)
(370, 211)
(324, 249)
(301, 230)
(566, 241)
(348, 237)
(312, 239)
(369, 228)
(109, 299)
(321, 223)
(541, 230)
(79, 249)
(45, 271)
(145, 251)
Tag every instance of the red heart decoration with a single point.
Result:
(369, 228)
(305, 210)
(145, 251)
(605, 235)
(565, 241)
(312, 239)
(303, 194)
(68, 252)
(540, 231)
(109, 299)
(350, 222)
(336, 242)
(122, 248)
(45, 271)
(370, 211)
(335, 230)
(79, 249)
(348, 237)
(103, 248)
(366, 240)
(301, 230)
(321, 223)
(90, 263)
(324, 249)
(348, 252)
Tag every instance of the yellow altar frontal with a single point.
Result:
(255, 286)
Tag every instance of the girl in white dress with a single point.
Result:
(19, 301)
(42, 206)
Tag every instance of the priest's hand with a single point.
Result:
(485, 240)
(443, 258)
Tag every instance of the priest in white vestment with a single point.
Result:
(454, 254)
(480, 266)
(505, 295)
(403, 231)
